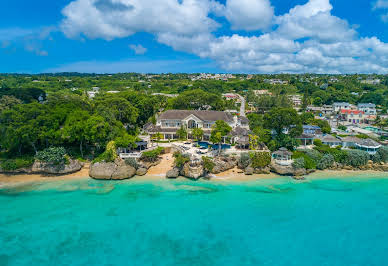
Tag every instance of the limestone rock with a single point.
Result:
(287, 170)
(266, 170)
(192, 171)
(41, 167)
(223, 164)
(141, 171)
(249, 170)
(111, 171)
(173, 173)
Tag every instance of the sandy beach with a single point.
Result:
(159, 172)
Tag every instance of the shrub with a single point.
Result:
(309, 163)
(318, 142)
(356, 158)
(383, 153)
(181, 159)
(260, 159)
(208, 164)
(245, 160)
(325, 162)
(152, 156)
(109, 155)
(376, 158)
(53, 155)
(14, 164)
(298, 163)
(314, 155)
(132, 162)
(342, 127)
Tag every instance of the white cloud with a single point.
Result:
(249, 14)
(380, 4)
(138, 49)
(108, 21)
(306, 39)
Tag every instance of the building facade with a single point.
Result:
(169, 122)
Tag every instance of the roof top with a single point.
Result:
(203, 115)
(346, 111)
(366, 105)
(283, 151)
(369, 143)
(330, 138)
(351, 139)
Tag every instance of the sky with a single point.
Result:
(191, 36)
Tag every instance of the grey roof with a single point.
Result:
(158, 129)
(363, 105)
(368, 143)
(305, 136)
(283, 151)
(351, 139)
(243, 119)
(330, 138)
(211, 116)
(239, 131)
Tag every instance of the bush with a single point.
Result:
(53, 155)
(180, 159)
(14, 164)
(383, 153)
(109, 155)
(325, 162)
(152, 156)
(315, 155)
(245, 160)
(132, 162)
(298, 163)
(309, 163)
(357, 158)
(208, 164)
(318, 142)
(376, 158)
(260, 159)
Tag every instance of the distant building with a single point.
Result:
(338, 106)
(296, 100)
(353, 116)
(367, 108)
(331, 141)
(113, 92)
(262, 92)
(368, 145)
(371, 81)
(276, 81)
(282, 157)
(311, 130)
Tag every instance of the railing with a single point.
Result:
(130, 155)
(283, 162)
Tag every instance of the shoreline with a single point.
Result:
(15, 180)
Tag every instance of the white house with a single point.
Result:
(367, 108)
(338, 106)
(169, 122)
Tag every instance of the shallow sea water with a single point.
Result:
(180, 222)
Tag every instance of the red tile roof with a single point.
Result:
(355, 112)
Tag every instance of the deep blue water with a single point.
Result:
(178, 222)
(214, 146)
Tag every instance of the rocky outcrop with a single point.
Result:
(117, 170)
(249, 170)
(173, 173)
(193, 171)
(61, 169)
(263, 171)
(148, 165)
(141, 171)
(223, 164)
(287, 170)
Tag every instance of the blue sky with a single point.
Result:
(240, 36)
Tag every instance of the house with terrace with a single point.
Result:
(169, 122)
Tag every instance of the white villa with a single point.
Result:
(169, 122)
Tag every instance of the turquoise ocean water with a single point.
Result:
(178, 222)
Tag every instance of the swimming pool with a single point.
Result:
(214, 146)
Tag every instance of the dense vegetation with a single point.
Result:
(38, 112)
